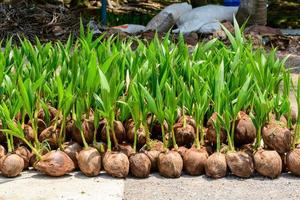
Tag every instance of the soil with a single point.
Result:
(51, 22)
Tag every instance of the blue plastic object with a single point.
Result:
(232, 2)
(103, 13)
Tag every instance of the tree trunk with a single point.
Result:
(253, 10)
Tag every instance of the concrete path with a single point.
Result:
(201, 187)
(34, 186)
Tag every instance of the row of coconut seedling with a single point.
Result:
(94, 104)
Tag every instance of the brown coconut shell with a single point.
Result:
(24, 153)
(140, 165)
(28, 132)
(281, 121)
(194, 161)
(216, 166)
(119, 132)
(2, 137)
(245, 131)
(277, 137)
(155, 127)
(88, 131)
(153, 157)
(116, 164)
(41, 125)
(126, 149)
(55, 163)
(284, 162)
(240, 164)
(293, 161)
(72, 149)
(170, 164)
(211, 135)
(89, 161)
(153, 153)
(2, 151)
(141, 134)
(52, 112)
(51, 135)
(268, 163)
(188, 119)
(184, 135)
(11, 165)
(182, 150)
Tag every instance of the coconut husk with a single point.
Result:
(170, 164)
(33, 158)
(116, 164)
(24, 153)
(277, 137)
(2, 151)
(11, 165)
(155, 127)
(156, 148)
(55, 163)
(248, 148)
(89, 161)
(72, 149)
(41, 125)
(101, 147)
(51, 135)
(216, 166)
(268, 163)
(2, 138)
(141, 134)
(184, 135)
(211, 135)
(282, 121)
(240, 164)
(293, 161)
(284, 163)
(194, 161)
(88, 131)
(245, 131)
(140, 165)
(182, 150)
(126, 149)
(52, 113)
(119, 132)
(28, 132)
(188, 119)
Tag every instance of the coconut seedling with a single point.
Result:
(140, 164)
(11, 164)
(64, 105)
(216, 166)
(156, 106)
(170, 163)
(115, 163)
(89, 159)
(275, 133)
(293, 157)
(53, 163)
(239, 162)
(194, 159)
(184, 128)
(267, 162)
